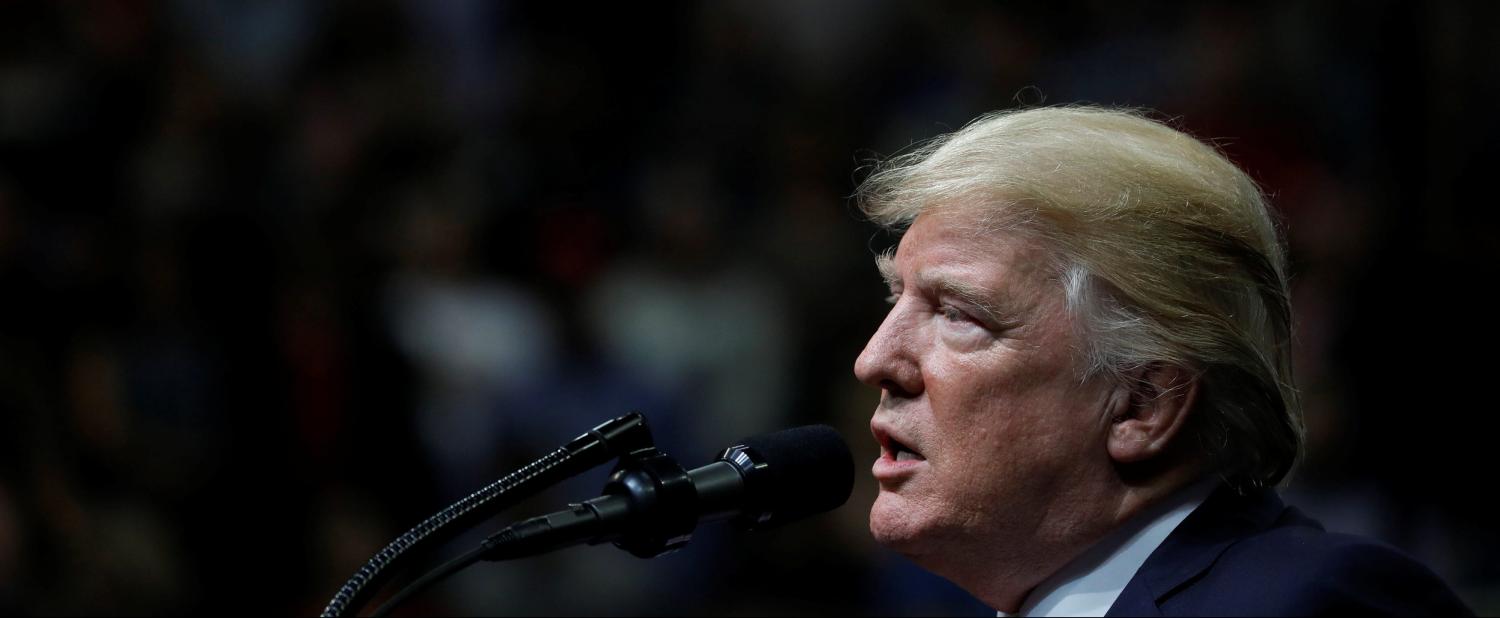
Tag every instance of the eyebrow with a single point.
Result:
(887, 267)
(979, 298)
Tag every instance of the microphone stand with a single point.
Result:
(616, 438)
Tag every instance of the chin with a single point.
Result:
(893, 524)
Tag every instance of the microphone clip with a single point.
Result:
(656, 489)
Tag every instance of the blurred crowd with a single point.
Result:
(280, 279)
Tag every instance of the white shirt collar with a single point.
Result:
(1089, 585)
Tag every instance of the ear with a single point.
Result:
(1152, 413)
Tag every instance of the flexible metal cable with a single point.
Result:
(598, 445)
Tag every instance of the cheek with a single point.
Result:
(974, 402)
(1012, 417)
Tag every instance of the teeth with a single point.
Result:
(900, 452)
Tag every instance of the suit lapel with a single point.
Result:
(1222, 519)
(1134, 601)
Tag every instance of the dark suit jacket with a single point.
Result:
(1252, 555)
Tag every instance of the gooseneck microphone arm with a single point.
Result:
(651, 505)
(648, 489)
(615, 438)
(647, 475)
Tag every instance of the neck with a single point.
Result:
(1008, 577)
(1092, 582)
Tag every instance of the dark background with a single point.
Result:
(280, 279)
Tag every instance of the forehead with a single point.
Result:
(960, 244)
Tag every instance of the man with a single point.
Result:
(1086, 392)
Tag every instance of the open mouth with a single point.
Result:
(902, 452)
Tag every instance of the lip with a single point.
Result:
(887, 469)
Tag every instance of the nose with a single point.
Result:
(889, 361)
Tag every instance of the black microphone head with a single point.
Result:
(792, 473)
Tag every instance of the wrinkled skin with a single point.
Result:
(977, 371)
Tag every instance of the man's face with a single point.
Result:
(990, 443)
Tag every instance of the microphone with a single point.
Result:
(651, 505)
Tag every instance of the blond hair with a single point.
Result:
(1166, 251)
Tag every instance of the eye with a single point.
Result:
(954, 314)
